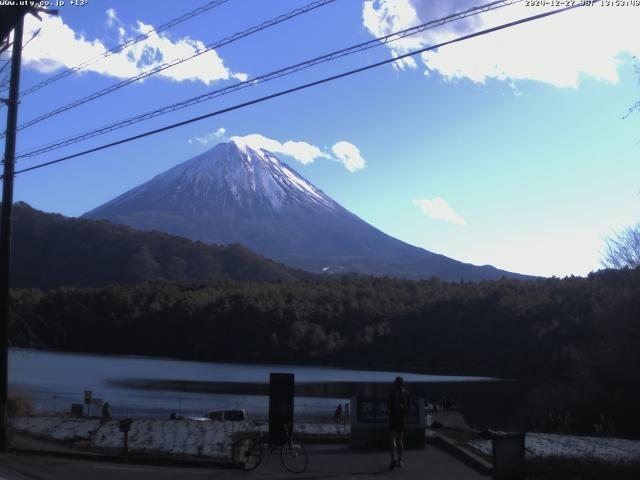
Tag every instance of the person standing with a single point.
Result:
(338, 413)
(106, 412)
(398, 407)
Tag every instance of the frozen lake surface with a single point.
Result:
(55, 380)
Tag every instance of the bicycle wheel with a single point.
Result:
(247, 453)
(294, 456)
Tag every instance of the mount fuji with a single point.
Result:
(236, 194)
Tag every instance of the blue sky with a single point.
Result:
(508, 150)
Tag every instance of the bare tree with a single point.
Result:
(623, 249)
(635, 108)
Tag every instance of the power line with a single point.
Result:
(5, 46)
(34, 35)
(177, 61)
(267, 77)
(5, 81)
(7, 62)
(304, 86)
(122, 46)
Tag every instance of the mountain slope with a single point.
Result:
(235, 194)
(50, 250)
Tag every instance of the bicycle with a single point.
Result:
(249, 451)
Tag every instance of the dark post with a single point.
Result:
(281, 391)
(509, 456)
(5, 225)
(88, 397)
(125, 426)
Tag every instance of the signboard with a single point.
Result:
(374, 410)
(125, 424)
(281, 390)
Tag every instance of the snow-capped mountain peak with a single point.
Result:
(240, 193)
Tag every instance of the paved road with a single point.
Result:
(325, 462)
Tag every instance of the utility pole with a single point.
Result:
(5, 225)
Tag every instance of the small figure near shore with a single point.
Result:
(106, 412)
(173, 416)
(338, 414)
(398, 406)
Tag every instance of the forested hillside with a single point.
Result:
(52, 250)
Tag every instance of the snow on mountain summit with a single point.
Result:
(231, 173)
(285, 176)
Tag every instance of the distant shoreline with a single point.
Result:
(399, 370)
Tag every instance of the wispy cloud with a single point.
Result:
(438, 209)
(403, 63)
(345, 152)
(209, 137)
(112, 17)
(45, 55)
(534, 51)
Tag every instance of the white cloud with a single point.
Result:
(240, 76)
(403, 63)
(303, 152)
(438, 209)
(349, 155)
(59, 46)
(112, 17)
(387, 16)
(209, 137)
(558, 50)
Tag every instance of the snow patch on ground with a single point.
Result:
(210, 439)
(549, 444)
(57, 428)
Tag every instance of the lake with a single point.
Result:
(155, 387)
